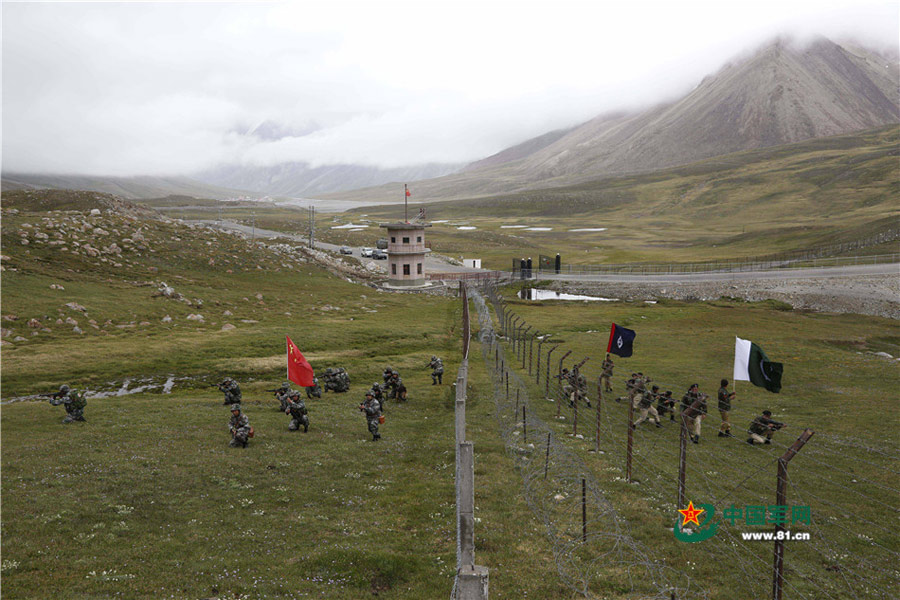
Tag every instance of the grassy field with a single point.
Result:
(146, 500)
(833, 384)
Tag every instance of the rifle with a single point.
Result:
(273, 390)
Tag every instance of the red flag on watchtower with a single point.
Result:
(408, 193)
(298, 368)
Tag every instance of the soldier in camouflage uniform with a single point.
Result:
(437, 366)
(607, 373)
(386, 375)
(378, 393)
(373, 411)
(283, 393)
(575, 387)
(396, 387)
(73, 401)
(239, 425)
(336, 380)
(315, 390)
(299, 415)
(232, 391)
(725, 397)
(645, 405)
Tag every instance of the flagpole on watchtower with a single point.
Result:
(405, 203)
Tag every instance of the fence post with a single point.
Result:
(524, 426)
(530, 349)
(781, 500)
(688, 413)
(599, 401)
(547, 373)
(537, 366)
(522, 344)
(575, 410)
(559, 382)
(547, 456)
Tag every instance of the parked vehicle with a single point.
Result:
(379, 254)
(345, 250)
(366, 252)
(382, 244)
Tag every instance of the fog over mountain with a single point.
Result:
(306, 96)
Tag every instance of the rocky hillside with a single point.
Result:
(783, 93)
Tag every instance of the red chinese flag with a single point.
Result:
(408, 193)
(298, 369)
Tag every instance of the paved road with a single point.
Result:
(432, 263)
(813, 273)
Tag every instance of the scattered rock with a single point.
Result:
(76, 306)
(56, 286)
(227, 313)
(193, 317)
(34, 323)
(884, 354)
(4, 332)
(95, 212)
(25, 241)
(259, 296)
(153, 269)
(19, 338)
(167, 319)
(71, 321)
(100, 231)
(228, 327)
(77, 330)
(249, 321)
(144, 323)
(10, 317)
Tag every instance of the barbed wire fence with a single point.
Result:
(852, 546)
(590, 540)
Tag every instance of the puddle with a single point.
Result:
(349, 226)
(536, 294)
(538, 229)
(467, 227)
(114, 389)
(590, 229)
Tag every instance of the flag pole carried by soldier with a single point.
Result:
(73, 401)
(239, 425)
(373, 414)
(296, 408)
(763, 427)
(437, 366)
(231, 389)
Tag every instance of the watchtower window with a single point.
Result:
(405, 240)
(406, 269)
(418, 239)
(393, 240)
(419, 268)
(393, 269)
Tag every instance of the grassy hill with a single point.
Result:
(145, 499)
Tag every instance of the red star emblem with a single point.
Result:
(690, 514)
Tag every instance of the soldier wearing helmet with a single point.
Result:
(239, 425)
(437, 370)
(73, 402)
(296, 408)
(372, 408)
(232, 391)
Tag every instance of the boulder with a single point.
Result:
(193, 317)
(167, 319)
(34, 323)
(76, 306)
(228, 327)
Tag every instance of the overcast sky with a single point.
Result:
(167, 88)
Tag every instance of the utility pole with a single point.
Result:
(311, 214)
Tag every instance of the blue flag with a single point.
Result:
(620, 341)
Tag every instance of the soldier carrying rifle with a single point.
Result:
(763, 427)
(73, 401)
(231, 389)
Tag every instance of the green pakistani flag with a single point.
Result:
(751, 364)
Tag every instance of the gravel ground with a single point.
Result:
(877, 295)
